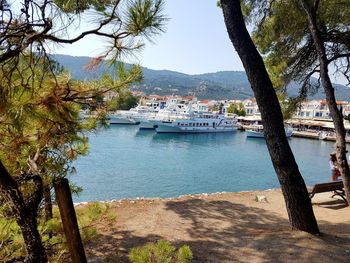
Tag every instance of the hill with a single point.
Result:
(218, 85)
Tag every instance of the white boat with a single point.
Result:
(198, 123)
(131, 116)
(173, 110)
(146, 124)
(119, 118)
(257, 131)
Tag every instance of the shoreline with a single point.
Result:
(142, 198)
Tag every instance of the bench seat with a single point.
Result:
(335, 187)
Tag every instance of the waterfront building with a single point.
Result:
(318, 110)
(250, 107)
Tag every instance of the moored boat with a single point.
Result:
(133, 115)
(115, 118)
(174, 109)
(257, 131)
(199, 123)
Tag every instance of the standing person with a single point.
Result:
(334, 167)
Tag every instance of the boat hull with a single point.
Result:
(121, 120)
(260, 134)
(164, 128)
(146, 125)
(255, 134)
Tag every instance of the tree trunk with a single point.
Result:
(34, 247)
(25, 218)
(296, 197)
(336, 114)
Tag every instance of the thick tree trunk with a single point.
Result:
(336, 114)
(25, 218)
(296, 197)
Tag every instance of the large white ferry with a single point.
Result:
(175, 109)
(199, 123)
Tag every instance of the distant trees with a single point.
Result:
(236, 108)
(41, 131)
(124, 101)
(297, 201)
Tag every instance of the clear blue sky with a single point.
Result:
(195, 41)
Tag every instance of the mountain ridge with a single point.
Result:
(214, 85)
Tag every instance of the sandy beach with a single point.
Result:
(225, 227)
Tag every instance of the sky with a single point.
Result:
(195, 41)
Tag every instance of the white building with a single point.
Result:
(251, 107)
(318, 110)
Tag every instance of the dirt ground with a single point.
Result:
(227, 227)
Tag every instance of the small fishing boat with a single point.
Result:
(257, 131)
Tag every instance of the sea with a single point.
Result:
(125, 162)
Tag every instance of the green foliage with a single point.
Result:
(11, 242)
(289, 105)
(82, 5)
(160, 252)
(236, 108)
(89, 215)
(38, 123)
(283, 37)
(91, 212)
(145, 17)
(124, 101)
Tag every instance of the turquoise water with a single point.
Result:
(126, 163)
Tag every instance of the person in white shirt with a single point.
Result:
(334, 167)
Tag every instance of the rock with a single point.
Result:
(261, 198)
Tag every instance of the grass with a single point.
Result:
(12, 244)
(160, 252)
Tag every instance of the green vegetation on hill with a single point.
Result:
(218, 85)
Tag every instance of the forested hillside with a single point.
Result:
(217, 85)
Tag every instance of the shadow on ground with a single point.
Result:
(223, 231)
(334, 204)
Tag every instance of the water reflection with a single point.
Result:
(194, 139)
(145, 133)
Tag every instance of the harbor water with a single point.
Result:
(125, 162)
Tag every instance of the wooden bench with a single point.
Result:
(335, 187)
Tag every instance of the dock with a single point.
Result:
(306, 134)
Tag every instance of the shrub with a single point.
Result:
(160, 252)
(12, 244)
